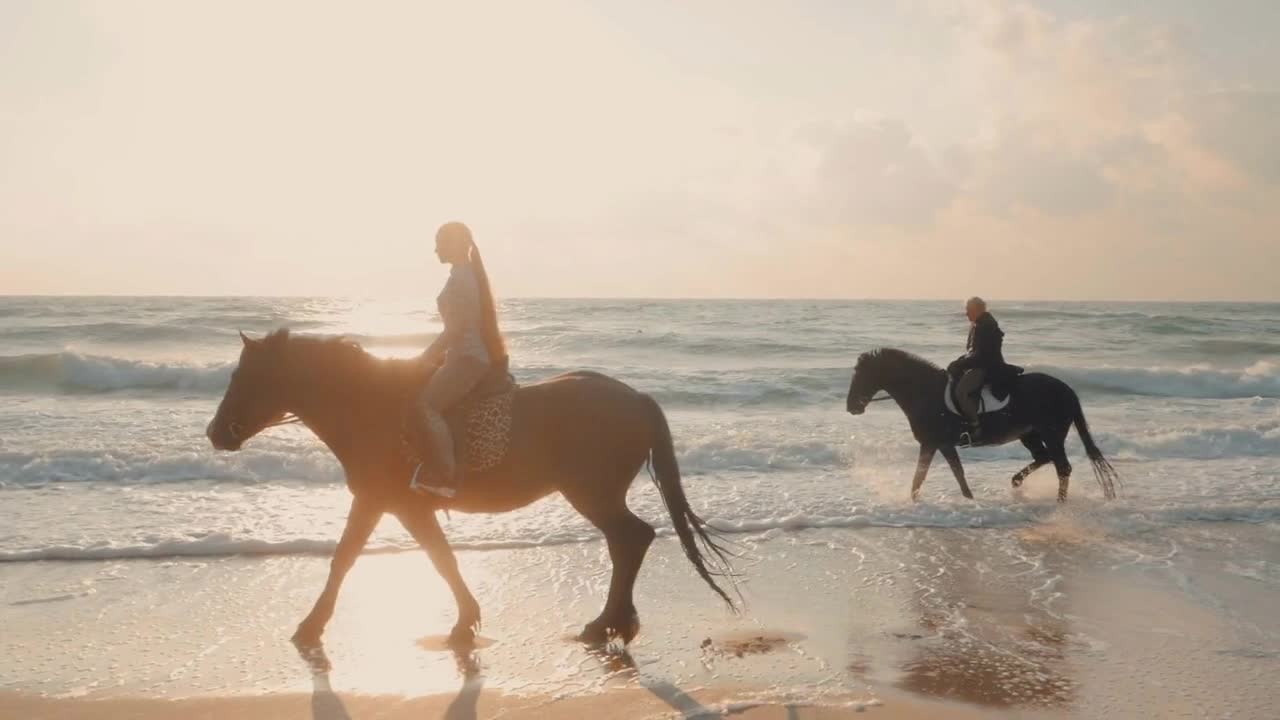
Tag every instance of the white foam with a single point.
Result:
(74, 372)
(1262, 379)
(223, 545)
(1196, 443)
(309, 463)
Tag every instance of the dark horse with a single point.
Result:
(1040, 412)
(582, 434)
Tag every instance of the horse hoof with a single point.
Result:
(462, 637)
(306, 636)
(631, 629)
(594, 634)
(603, 632)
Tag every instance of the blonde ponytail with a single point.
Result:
(493, 340)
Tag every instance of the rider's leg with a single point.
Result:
(457, 377)
(967, 397)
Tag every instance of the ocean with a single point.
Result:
(103, 456)
(137, 562)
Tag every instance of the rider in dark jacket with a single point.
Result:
(983, 363)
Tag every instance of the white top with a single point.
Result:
(459, 305)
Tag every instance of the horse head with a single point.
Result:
(894, 371)
(865, 384)
(255, 399)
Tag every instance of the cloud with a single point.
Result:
(1240, 126)
(874, 172)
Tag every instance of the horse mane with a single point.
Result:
(894, 354)
(342, 358)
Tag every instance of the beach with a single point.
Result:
(1041, 622)
(143, 574)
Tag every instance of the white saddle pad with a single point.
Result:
(986, 401)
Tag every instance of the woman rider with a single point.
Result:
(469, 346)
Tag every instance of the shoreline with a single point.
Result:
(473, 702)
(1048, 621)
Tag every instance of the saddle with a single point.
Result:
(480, 423)
(988, 400)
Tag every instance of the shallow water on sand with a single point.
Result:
(1050, 618)
(191, 566)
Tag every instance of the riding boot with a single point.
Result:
(441, 477)
(975, 431)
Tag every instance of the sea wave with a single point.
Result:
(1122, 516)
(71, 372)
(1262, 379)
(704, 451)
(753, 386)
(310, 462)
(224, 545)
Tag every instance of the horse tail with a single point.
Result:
(1105, 474)
(711, 560)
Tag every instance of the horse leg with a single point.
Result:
(1058, 452)
(922, 469)
(628, 538)
(361, 521)
(425, 528)
(957, 469)
(1039, 454)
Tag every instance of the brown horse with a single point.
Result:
(582, 434)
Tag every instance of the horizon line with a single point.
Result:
(638, 298)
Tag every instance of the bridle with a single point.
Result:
(870, 400)
(236, 429)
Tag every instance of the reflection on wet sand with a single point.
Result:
(618, 664)
(327, 705)
(986, 635)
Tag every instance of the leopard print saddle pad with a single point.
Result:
(481, 428)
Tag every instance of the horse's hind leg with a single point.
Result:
(628, 538)
(1039, 458)
(1058, 453)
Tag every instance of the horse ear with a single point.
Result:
(246, 339)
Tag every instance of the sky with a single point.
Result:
(1051, 149)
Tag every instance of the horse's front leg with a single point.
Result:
(361, 521)
(957, 469)
(922, 469)
(421, 522)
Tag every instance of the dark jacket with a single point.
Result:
(986, 352)
(985, 347)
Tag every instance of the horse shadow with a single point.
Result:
(327, 704)
(619, 663)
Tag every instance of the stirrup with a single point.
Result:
(420, 487)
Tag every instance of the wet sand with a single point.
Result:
(474, 702)
(1046, 621)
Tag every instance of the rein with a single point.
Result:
(237, 429)
(885, 397)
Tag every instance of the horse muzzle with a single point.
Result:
(856, 406)
(224, 436)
